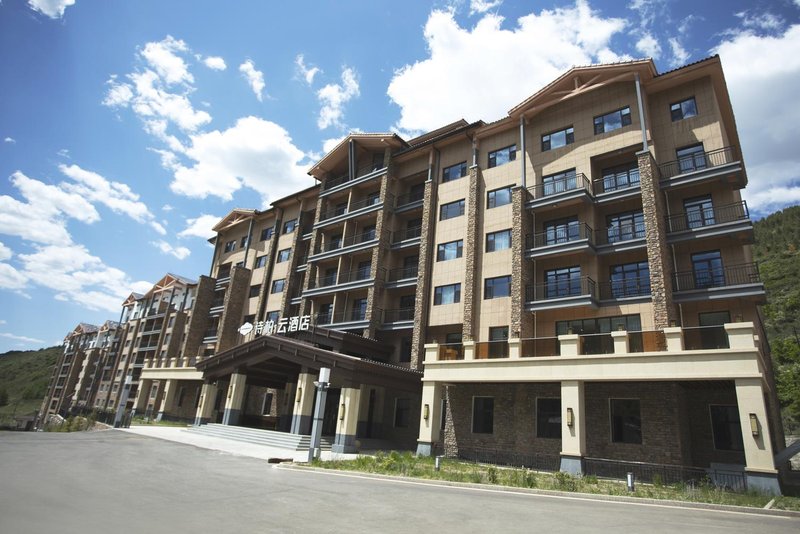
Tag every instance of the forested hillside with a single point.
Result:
(23, 380)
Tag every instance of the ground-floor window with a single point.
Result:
(483, 415)
(266, 406)
(548, 418)
(402, 413)
(626, 421)
(726, 428)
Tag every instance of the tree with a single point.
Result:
(3, 397)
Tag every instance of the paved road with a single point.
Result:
(114, 481)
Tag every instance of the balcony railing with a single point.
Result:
(402, 273)
(619, 234)
(647, 341)
(354, 206)
(341, 317)
(556, 289)
(707, 217)
(697, 161)
(451, 351)
(348, 241)
(408, 233)
(734, 275)
(539, 347)
(596, 343)
(629, 287)
(211, 332)
(489, 350)
(560, 235)
(342, 278)
(705, 337)
(572, 182)
(363, 171)
(616, 182)
(409, 198)
(400, 314)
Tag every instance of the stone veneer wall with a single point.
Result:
(236, 295)
(178, 326)
(288, 288)
(658, 253)
(521, 271)
(383, 232)
(469, 292)
(263, 293)
(422, 296)
(316, 237)
(198, 321)
(698, 419)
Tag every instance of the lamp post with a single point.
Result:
(322, 386)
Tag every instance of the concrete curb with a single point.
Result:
(552, 493)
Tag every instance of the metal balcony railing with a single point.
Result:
(348, 241)
(705, 337)
(556, 289)
(408, 233)
(354, 206)
(616, 182)
(618, 234)
(697, 161)
(450, 351)
(539, 347)
(362, 171)
(342, 278)
(409, 198)
(402, 273)
(490, 350)
(571, 182)
(560, 235)
(628, 287)
(341, 317)
(680, 222)
(733, 275)
(400, 314)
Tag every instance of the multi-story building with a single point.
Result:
(572, 283)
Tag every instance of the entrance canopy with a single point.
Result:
(274, 360)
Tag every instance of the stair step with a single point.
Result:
(257, 436)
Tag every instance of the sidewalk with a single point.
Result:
(228, 446)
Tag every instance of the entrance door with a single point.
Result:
(331, 415)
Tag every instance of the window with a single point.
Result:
(600, 325)
(244, 242)
(630, 280)
(447, 294)
(482, 415)
(626, 421)
(238, 264)
(359, 311)
(502, 156)
(620, 177)
(266, 405)
(453, 209)
(498, 197)
(325, 314)
(683, 109)
(266, 233)
(335, 242)
(564, 282)
(699, 211)
(277, 285)
(561, 231)
(364, 267)
(558, 139)
(691, 158)
(283, 255)
(726, 428)
(402, 413)
(340, 209)
(548, 418)
(496, 241)
(559, 182)
(454, 172)
(273, 316)
(330, 277)
(289, 226)
(625, 226)
(450, 251)
(368, 234)
(254, 291)
(498, 342)
(230, 246)
(714, 338)
(405, 349)
(708, 270)
(261, 261)
(612, 121)
(249, 319)
(495, 288)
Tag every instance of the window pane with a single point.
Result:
(626, 421)
(548, 418)
(482, 415)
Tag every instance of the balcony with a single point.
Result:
(406, 238)
(620, 238)
(566, 293)
(347, 319)
(361, 175)
(617, 186)
(409, 201)
(735, 281)
(398, 319)
(450, 351)
(339, 282)
(728, 220)
(572, 188)
(348, 244)
(355, 209)
(402, 277)
(567, 239)
(626, 289)
(490, 350)
(723, 164)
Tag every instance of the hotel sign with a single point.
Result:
(281, 326)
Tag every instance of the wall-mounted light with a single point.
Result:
(426, 411)
(341, 412)
(570, 417)
(673, 323)
(299, 395)
(754, 424)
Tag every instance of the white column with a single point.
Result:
(760, 466)
(303, 404)
(430, 420)
(208, 394)
(234, 403)
(573, 427)
(347, 420)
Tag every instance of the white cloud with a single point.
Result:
(648, 45)
(64, 153)
(253, 153)
(12, 279)
(24, 339)
(482, 6)
(153, 101)
(648, 10)
(307, 73)
(330, 144)
(52, 8)
(215, 63)
(167, 207)
(444, 87)
(200, 226)
(766, 21)
(179, 252)
(679, 53)
(334, 96)
(5, 253)
(3, 321)
(752, 71)
(253, 76)
(163, 57)
(9, 140)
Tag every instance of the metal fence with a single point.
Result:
(666, 474)
(486, 455)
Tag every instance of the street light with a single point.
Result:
(322, 386)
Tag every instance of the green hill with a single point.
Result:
(23, 380)
(777, 250)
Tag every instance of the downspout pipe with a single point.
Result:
(522, 150)
(641, 110)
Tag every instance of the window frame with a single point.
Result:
(491, 197)
(730, 424)
(402, 414)
(441, 250)
(439, 293)
(681, 111)
(448, 177)
(261, 261)
(542, 429)
(601, 120)
(484, 410)
(278, 286)
(267, 233)
(279, 259)
(230, 246)
(511, 156)
(491, 237)
(547, 138)
(256, 288)
(490, 286)
(444, 209)
(622, 438)
(290, 226)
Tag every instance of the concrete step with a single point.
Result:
(257, 436)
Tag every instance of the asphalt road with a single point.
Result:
(114, 481)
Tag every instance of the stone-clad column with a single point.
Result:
(170, 387)
(470, 293)
(208, 396)
(658, 253)
(521, 272)
(382, 232)
(234, 404)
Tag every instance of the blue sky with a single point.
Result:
(128, 128)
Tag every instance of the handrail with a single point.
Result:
(744, 273)
(408, 233)
(680, 222)
(628, 287)
(343, 179)
(402, 273)
(570, 182)
(555, 289)
(697, 161)
(559, 235)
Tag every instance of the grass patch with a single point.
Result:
(408, 465)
